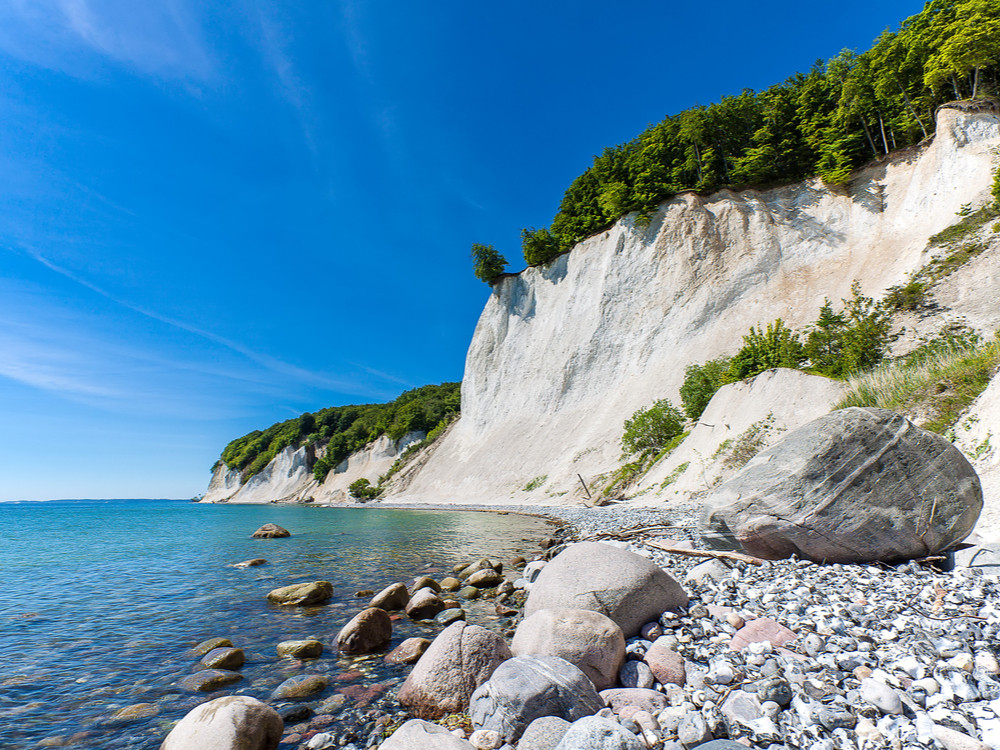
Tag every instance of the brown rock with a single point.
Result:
(666, 665)
(450, 584)
(208, 680)
(369, 631)
(250, 563)
(205, 646)
(224, 658)
(644, 699)
(408, 652)
(304, 594)
(423, 582)
(270, 531)
(762, 629)
(424, 605)
(459, 660)
(586, 639)
(485, 579)
(483, 564)
(391, 598)
(305, 649)
(300, 686)
(135, 712)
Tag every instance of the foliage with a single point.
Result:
(857, 339)
(969, 224)
(673, 476)
(934, 384)
(487, 263)
(539, 246)
(700, 384)
(778, 346)
(827, 122)
(535, 483)
(651, 430)
(995, 192)
(749, 443)
(345, 429)
(362, 489)
(909, 296)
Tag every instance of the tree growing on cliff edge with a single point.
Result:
(487, 263)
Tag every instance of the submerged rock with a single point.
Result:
(271, 531)
(207, 680)
(305, 649)
(857, 485)
(212, 643)
(301, 686)
(224, 658)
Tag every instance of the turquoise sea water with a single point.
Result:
(102, 600)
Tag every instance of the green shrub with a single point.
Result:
(857, 339)
(539, 246)
(778, 346)
(909, 296)
(487, 263)
(535, 483)
(995, 192)
(651, 430)
(362, 489)
(700, 384)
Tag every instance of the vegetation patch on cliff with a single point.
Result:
(345, 429)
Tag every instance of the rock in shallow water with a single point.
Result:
(236, 722)
(302, 594)
(391, 598)
(459, 660)
(301, 686)
(224, 658)
(369, 630)
(271, 531)
(305, 649)
(408, 652)
(207, 680)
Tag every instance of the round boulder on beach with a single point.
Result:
(856, 485)
(525, 688)
(588, 639)
(408, 652)
(271, 531)
(235, 722)
(302, 594)
(368, 631)
(416, 734)
(459, 660)
(619, 584)
(424, 605)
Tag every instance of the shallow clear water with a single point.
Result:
(102, 600)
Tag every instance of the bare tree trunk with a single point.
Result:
(868, 135)
(909, 106)
(975, 83)
(954, 85)
(884, 141)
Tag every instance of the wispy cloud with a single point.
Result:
(266, 361)
(162, 38)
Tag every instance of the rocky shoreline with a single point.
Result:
(785, 654)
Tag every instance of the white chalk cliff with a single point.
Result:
(564, 353)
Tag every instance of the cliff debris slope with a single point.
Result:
(564, 352)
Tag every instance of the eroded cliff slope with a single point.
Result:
(564, 353)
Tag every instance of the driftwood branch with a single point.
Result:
(716, 554)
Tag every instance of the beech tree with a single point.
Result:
(487, 263)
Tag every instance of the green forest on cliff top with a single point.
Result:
(837, 117)
(840, 115)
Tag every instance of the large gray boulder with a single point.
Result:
(588, 639)
(459, 660)
(857, 485)
(422, 735)
(525, 688)
(598, 733)
(236, 722)
(622, 585)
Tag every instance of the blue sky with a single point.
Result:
(218, 215)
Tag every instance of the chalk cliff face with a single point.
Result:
(289, 478)
(564, 353)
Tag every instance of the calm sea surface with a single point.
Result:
(100, 602)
